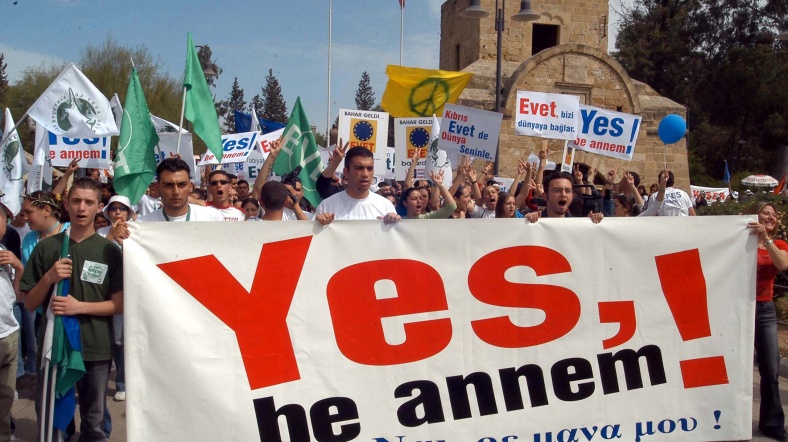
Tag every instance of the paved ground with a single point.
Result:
(25, 415)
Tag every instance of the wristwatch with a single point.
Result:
(767, 242)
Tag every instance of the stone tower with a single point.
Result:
(564, 51)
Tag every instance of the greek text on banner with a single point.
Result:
(422, 331)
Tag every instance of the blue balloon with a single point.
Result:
(671, 128)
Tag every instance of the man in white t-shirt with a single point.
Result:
(356, 202)
(174, 189)
(150, 201)
(676, 202)
(219, 189)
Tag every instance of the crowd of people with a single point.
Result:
(94, 222)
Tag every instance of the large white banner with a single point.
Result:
(418, 331)
(712, 193)
(607, 132)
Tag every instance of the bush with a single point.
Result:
(733, 207)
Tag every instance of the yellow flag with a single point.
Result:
(415, 92)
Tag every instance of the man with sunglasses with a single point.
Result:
(174, 189)
(219, 186)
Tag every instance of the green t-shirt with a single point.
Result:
(97, 274)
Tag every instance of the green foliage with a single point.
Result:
(3, 77)
(108, 66)
(234, 102)
(717, 57)
(274, 106)
(365, 97)
(740, 207)
(320, 139)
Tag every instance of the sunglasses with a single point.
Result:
(118, 208)
(219, 183)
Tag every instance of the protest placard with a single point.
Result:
(411, 134)
(607, 132)
(419, 331)
(369, 129)
(469, 131)
(384, 163)
(168, 148)
(544, 115)
(93, 153)
(236, 148)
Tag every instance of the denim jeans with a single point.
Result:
(767, 348)
(27, 325)
(91, 401)
(92, 390)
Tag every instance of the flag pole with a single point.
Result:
(328, 106)
(401, 29)
(8, 135)
(51, 412)
(180, 124)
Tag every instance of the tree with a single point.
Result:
(365, 98)
(274, 106)
(3, 77)
(108, 66)
(718, 58)
(256, 105)
(234, 102)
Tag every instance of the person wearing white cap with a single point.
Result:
(118, 211)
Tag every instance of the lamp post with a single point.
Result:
(526, 14)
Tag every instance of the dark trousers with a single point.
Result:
(768, 351)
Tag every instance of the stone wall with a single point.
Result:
(598, 80)
(579, 22)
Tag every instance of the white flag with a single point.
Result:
(117, 110)
(73, 107)
(255, 125)
(164, 126)
(12, 163)
(437, 159)
(40, 175)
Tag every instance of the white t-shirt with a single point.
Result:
(481, 212)
(8, 323)
(344, 207)
(676, 203)
(230, 213)
(148, 205)
(22, 231)
(197, 213)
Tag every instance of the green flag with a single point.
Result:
(66, 341)
(200, 109)
(300, 149)
(135, 160)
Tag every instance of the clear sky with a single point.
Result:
(246, 37)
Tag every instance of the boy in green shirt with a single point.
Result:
(95, 269)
